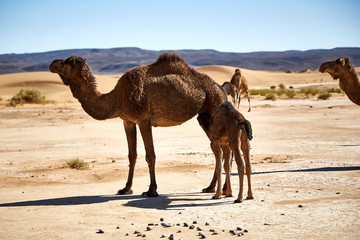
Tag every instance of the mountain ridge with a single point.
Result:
(119, 60)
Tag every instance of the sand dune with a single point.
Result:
(51, 85)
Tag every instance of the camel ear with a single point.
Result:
(341, 61)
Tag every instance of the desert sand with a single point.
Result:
(305, 159)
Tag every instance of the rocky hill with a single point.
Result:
(119, 60)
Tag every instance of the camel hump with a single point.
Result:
(169, 58)
(169, 63)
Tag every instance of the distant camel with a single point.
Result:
(141, 97)
(343, 70)
(241, 86)
(229, 89)
(225, 130)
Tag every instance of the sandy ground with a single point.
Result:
(305, 158)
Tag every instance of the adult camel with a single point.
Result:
(241, 86)
(343, 70)
(141, 97)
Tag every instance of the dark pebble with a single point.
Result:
(144, 235)
(202, 235)
(117, 227)
(171, 237)
(186, 225)
(148, 228)
(136, 231)
(192, 227)
(211, 230)
(240, 234)
(207, 224)
(163, 236)
(232, 232)
(161, 219)
(194, 222)
(245, 230)
(215, 233)
(139, 234)
(239, 228)
(199, 229)
(100, 231)
(127, 234)
(300, 206)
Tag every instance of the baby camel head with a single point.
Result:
(73, 71)
(337, 68)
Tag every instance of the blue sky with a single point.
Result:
(28, 26)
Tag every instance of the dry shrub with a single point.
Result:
(27, 96)
(77, 164)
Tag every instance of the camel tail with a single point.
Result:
(248, 128)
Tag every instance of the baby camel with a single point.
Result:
(229, 89)
(227, 126)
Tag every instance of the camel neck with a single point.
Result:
(97, 105)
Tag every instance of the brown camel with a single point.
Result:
(141, 97)
(241, 86)
(225, 130)
(229, 89)
(343, 70)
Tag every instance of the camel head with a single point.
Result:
(237, 72)
(337, 68)
(73, 71)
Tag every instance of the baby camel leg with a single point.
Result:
(216, 148)
(245, 148)
(227, 191)
(240, 167)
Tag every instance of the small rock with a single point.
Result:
(207, 224)
(300, 206)
(240, 234)
(186, 225)
(338, 193)
(211, 230)
(215, 233)
(163, 236)
(144, 235)
(148, 228)
(127, 234)
(199, 229)
(239, 228)
(166, 225)
(202, 235)
(192, 227)
(245, 230)
(233, 232)
(100, 231)
(139, 234)
(161, 219)
(150, 224)
(194, 222)
(171, 237)
(179, 231)
(117, 227)
(136, 231)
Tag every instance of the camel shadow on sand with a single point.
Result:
(322, 169)
(178, 201)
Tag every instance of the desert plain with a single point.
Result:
(305, 159)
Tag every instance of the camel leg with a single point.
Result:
(245, 148)
(146, 133)
(130, 130)
(215, 147)
(204, 119)
(240, 165)
(227, 191)
(247, 94)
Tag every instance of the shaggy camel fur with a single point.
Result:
(141, 97)
(343, 70)
(229, 89)
(241, 86)
(225, 131)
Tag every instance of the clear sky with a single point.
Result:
(28, 26)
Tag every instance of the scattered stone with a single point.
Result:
(150, 224)
(192, 227)
(166, 224)
(178, 224)
(136, 231)
(240, 234)
(100, 231)
(199, 229)
(207, 224)
(148, 228)
(239, 228)
(179, 231)
(139, 234)
(194, 222)
(202, 235)
(180, 212)
(245, 230)
(127, 234)
(300, 206)
(144, 235)
(186, 225)
(161, 219)
(118, 227)
(338, 193)
(233, 232)
(215, 232)
(211, 230)
(267, 224)
(171, 237)
(163, 236)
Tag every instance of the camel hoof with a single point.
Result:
(124, 192)
(150, 194)
(238, 201)
(228, 195)
(208, 190)
(216, 197)
(249, 197)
